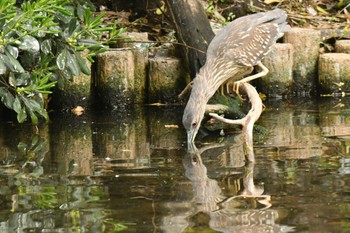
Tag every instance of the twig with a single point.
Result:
(163, 42)
(186, 90)
(294, 16)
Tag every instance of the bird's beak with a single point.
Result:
(191, 135)
(191, 147)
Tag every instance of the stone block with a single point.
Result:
(134, 40)
(71, 143)
(167, 78)
(334, 73)
(121, 79)
(123, 143)
(278, 82)
(306, 44)
(342, 46)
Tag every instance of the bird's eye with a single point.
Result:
(194, 124)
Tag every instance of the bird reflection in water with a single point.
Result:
(207, 191)
(229, 214)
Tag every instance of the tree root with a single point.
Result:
(248, 121)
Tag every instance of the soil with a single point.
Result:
(151, 16)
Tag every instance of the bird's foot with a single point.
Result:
(236, 87)
(228, 88)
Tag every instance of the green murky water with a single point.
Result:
(129, 172)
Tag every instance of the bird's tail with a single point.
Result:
(277, 16)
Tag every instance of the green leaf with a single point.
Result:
(29, 60)
(73, 64)
(97, 21)
(23, 79)
(61, 59)
(29, 43)
(17, 105)
(82, 64)
(103, 29)
(44, 79)
(80, 12)
(32, 106)
(12, 80)
(65, 18)
(22, 115)
(3, 91)
(46, 46)
(2, 68)
(66, 73)
(33, 117)
(54, 30)
(11, 62)
(74, 26)
(12, 50)
(63, 11)
(8, 99)
(87, 16)
(44, 114)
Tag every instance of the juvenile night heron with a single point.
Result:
(233, 52)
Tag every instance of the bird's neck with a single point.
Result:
(209, 79)
(202, 89)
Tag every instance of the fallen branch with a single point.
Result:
(248, 121)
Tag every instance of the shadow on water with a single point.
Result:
(130, 171)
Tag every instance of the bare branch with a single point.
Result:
(248, 121)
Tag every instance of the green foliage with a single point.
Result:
(233, 104)
(214, 11)
(40, 45)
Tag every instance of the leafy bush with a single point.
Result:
(40, 44)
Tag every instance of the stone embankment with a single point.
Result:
(298, 67)
(136, 73)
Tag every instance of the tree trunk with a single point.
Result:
(193, 30)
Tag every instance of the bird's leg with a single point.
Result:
(264, 72)
(230, 83)
(226, 87)
(222, 89)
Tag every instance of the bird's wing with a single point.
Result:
(238, 32)
(255, 46)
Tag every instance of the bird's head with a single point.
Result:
(193, 116)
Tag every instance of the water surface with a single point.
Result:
(130, 172)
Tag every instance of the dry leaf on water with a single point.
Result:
(79, 110)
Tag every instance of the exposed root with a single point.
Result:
(248, 121)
